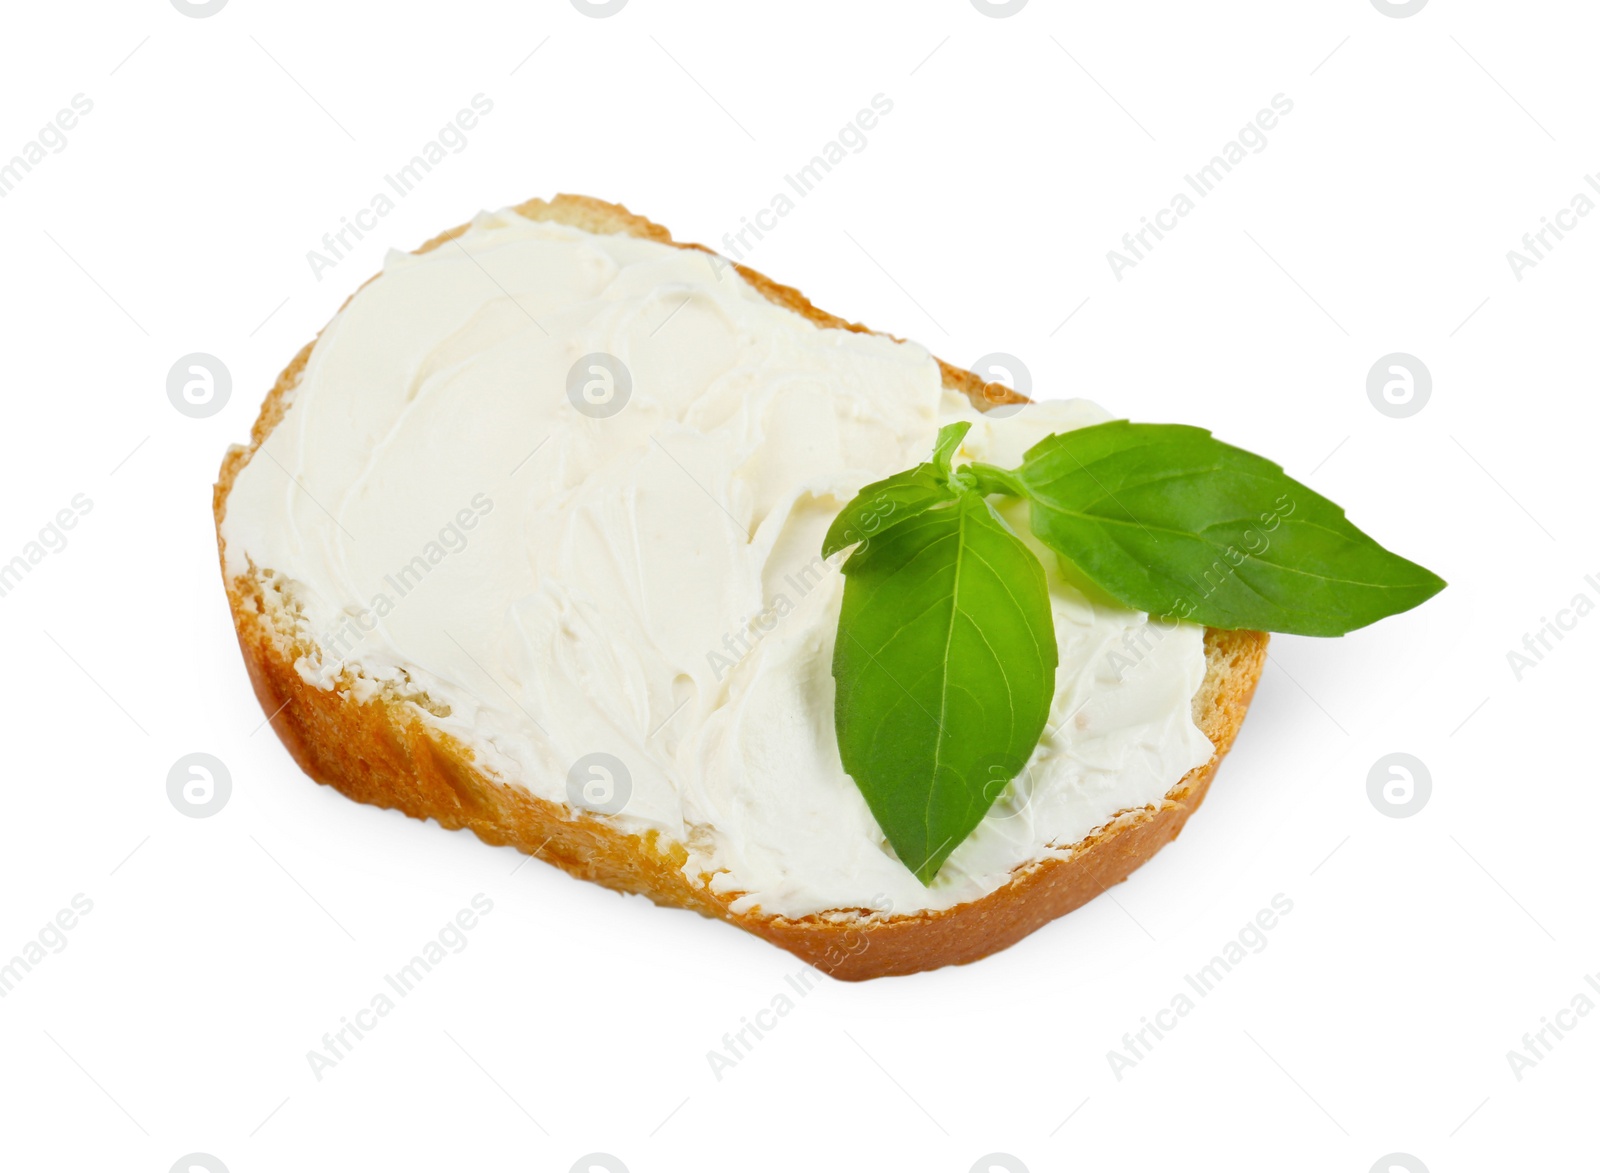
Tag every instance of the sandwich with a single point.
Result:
(612, 550)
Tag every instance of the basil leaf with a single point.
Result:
(884, 504)
(899, 498)
(1168, 520)
(945, 445)
(945, 666)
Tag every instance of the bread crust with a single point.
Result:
(383, 751)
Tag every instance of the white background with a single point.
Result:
(1379, 1015)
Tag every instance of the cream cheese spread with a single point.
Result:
(604, 572)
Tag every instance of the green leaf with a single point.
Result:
(886, 503)
(945, 445)
(945, 664)
(1168, 520)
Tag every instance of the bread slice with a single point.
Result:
(384, 751)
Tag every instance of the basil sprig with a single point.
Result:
(946, 654)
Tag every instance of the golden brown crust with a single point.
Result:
(384, 752)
